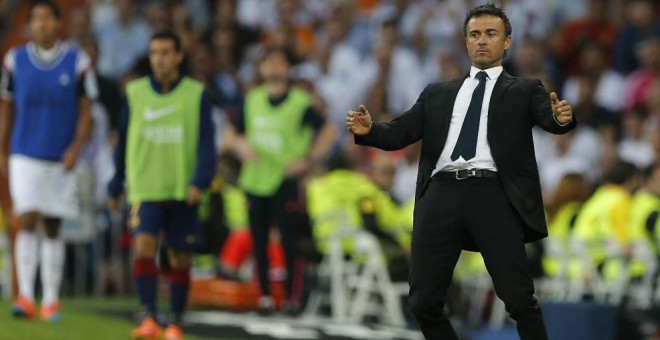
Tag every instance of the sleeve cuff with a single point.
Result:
(558, 123)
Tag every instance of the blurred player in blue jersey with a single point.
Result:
(47, 88)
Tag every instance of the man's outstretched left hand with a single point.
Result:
(561, 109)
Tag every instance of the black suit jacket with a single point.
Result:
(516, 105)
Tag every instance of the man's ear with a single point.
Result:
(507, 42)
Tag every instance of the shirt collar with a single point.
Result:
(492, 72)
(47, 56)
(159, 88)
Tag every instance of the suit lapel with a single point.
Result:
(503, 82)
(443, 108)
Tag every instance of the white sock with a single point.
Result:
(27, 255)
(52, 266)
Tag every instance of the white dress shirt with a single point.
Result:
(483, 158)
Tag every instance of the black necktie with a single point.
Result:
(466, 145)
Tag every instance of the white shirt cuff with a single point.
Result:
(558, 123)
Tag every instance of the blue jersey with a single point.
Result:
(46, 93)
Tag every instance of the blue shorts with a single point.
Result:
(175, 221)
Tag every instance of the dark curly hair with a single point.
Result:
(487, 9)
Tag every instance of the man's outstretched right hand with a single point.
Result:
(359, 122)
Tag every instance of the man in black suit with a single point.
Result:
(478, 184)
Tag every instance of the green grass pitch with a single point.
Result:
(82, 319)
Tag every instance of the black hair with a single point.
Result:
(168, 35)
(621, 173)
(488, 9)
(48, 3)
(288, 56)
(648, 171)
(337, 161)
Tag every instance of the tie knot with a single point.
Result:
(481, 75)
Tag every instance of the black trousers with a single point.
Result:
(450, 211)
(278, 209)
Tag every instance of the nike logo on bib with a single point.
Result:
(151, 114)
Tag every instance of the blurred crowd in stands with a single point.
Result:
(603, 56)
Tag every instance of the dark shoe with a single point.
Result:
(291, 308)
(266, 306)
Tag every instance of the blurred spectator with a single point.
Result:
(294, 28)
(529, 60)
(5, 7)
(653, 100)
(530, 19)
(566, 158)
(80, 25)
(563, 208)
(109, 96)
(643, 225)
(377, 99)
(589, 112)
(97, 155)
(602, 225)
(568, 10)
(230, 39)
(641, 23)
(399, 68)
(450, 67)
(157, 16)
(198, 14)
(578, 151)
(595, 26)
(595, 72)
(433, 22)
(122, 40)
(572, 188)
(365, 207)
(403, 188)
(360, 31)
(201, 66)
(354, 155)
(255, 14)
(608, 158)
(639, 83)
(426, 55)
(635, 147)
(336, 64)
(182, 22)
(654, 137)
(388, 9)
(227, 54)
(383, 171)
